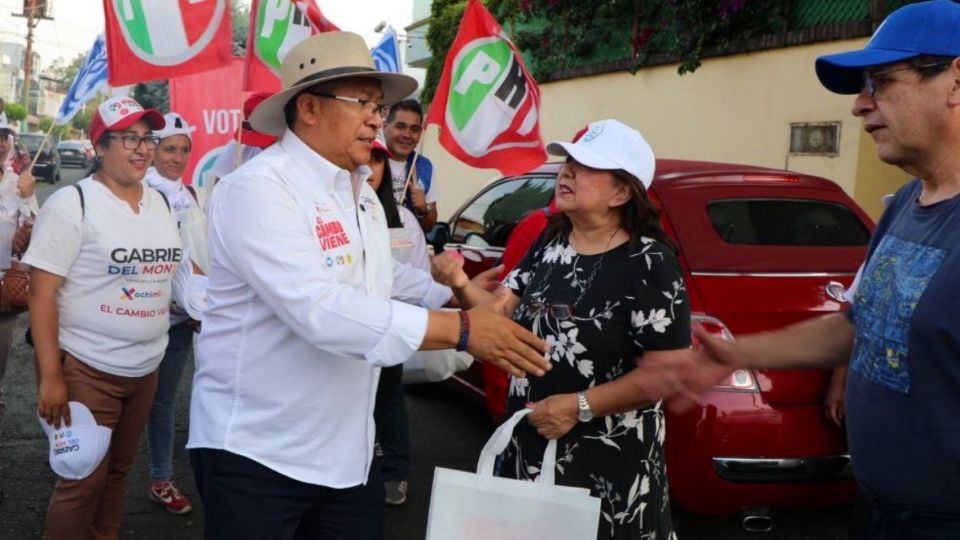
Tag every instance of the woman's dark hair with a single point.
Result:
(385, 194)
(103, 142)
(638, 216)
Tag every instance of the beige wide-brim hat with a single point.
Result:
(327, 56)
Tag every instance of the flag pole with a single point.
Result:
(236, 157)
(413, 167)
(43, 142)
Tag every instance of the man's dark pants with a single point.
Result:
(243, 499)
(889, 521)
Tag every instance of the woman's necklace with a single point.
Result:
(586, 284)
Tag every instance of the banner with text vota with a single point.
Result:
(212, 101)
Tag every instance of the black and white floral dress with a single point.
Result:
(636, 301)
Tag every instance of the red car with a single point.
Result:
(760, 249)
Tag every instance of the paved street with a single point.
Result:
(446, 430)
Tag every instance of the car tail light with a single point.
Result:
(771, 178)
(741, 380)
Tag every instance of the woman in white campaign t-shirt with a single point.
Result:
(103, 257)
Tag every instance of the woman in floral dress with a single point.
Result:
(603, 287)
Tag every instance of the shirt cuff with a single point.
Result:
(407, 330)
(437, 296)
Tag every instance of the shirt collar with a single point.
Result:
(319, 166)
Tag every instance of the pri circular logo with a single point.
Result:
(488, 96)
(280, 26)
(169, 32)
(204, 164)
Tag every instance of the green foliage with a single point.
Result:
(63, 73)
(81, 121)
(240, 19)
(445, 18)
(153, 95)
(47, 121)
(557, 35)
(15, 112)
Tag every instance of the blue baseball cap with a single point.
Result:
(925, 28)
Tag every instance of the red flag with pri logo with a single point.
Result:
(487, 104)
(149, 40)
(275, 27)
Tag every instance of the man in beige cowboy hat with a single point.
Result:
(300, 317)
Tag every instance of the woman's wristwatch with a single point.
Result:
(584, 412)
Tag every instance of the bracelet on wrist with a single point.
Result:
(464, 330)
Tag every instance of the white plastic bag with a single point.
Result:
(434, 366)
(466, 506)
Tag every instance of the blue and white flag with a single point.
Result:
(386, 55)
(91, 78)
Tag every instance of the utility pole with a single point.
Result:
(34, 11)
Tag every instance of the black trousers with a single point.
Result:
(243, 499)
(393, 427)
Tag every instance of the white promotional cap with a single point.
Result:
(610, 145)
(76, 451)
(175, 125)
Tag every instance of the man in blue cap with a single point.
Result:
(902, 336)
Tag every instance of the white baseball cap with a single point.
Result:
(175, 125)
(610, 145)
(76, 451)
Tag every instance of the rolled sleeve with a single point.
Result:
(408, 326)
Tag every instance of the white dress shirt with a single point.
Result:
(299, 317)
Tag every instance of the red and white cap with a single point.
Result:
(248, 135)
(380, 144)
(610, 145)
(119, 113)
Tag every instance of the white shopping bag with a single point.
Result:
(434, 366)
(467, 506)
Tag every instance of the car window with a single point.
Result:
(32, 142)
(786, 222)
(495, 212)
(70, 145)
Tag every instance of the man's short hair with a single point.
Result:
(410, 104)
(932, 65)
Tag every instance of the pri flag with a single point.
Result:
(159, 39)
(275, 27)
(91, 78)
(487, 104)
(386, 55)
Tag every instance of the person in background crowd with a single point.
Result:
(18, 207)
(902, 334)
(603, 287)
(3, 113)
(102, 255)
(169, 162)
(403, 130)
(252, 142)
(302, 314)
(390, 414)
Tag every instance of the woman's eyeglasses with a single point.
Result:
(558, 311)
(132, 142)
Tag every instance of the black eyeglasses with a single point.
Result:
(872, 81)
(369, 106)
(558, 311)
(132, 142)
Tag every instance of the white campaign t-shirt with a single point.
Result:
(115, 299)
(399, 177)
